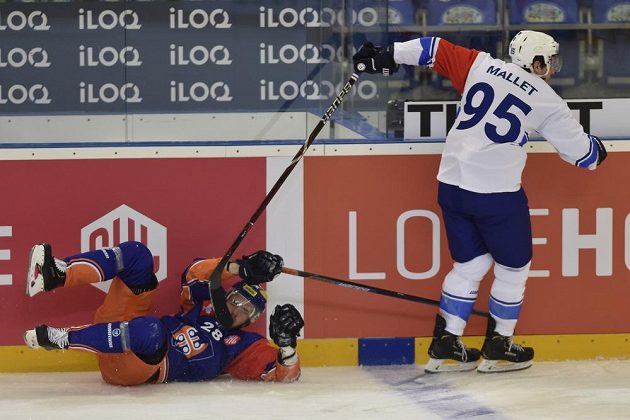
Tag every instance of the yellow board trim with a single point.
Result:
(342, 352)
(329, 352)
(554, 347)
(23, 359)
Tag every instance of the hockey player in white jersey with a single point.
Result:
(484, 207)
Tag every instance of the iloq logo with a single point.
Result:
(108, 93)
(17, 20)
(310, 17)
(289, 90)
(312, 91)
(289, 54)
(126, 224)
(200, 92)
(18, 57)
(19, 94)
(307, 53)
(199, 55)
(198, 19)
(108, 56)
(108, 19)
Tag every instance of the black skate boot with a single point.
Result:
(501, 354)
(447, 352)
(44, 271)
(47, 337)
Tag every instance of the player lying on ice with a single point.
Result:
(133, 348)
(484, 207)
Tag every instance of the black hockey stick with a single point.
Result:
(370, 289)
(216, 291)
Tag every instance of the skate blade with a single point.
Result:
(34, 277)
(30, 339)
(447, 365)
(492, 366)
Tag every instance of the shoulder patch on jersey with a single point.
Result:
(207, 308)
(231, 340)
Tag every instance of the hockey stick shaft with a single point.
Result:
(298, 156)
(369, 289)
(215, 277)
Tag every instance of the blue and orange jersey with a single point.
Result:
(201, 349)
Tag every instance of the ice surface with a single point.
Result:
(558, 390)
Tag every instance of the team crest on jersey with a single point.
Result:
(187, 341)
(231, 340)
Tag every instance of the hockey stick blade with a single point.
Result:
(220, 307)
(369, 289)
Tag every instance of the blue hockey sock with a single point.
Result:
(459, 306)
(103, 338)
(143, 336)
(107, 260)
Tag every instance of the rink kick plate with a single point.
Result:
(350, 352)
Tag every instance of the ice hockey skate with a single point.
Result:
(44, 271)
(447, 352)
(47, 337)
(501, 354)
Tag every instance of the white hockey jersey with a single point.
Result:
(501, 103)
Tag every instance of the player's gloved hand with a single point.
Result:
(260, 267)
(285, 324)
(372, 59)
(601, 150)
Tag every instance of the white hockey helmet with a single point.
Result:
(526, 45)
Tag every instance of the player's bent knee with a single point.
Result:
(137, 251)
(147, 337)
(475, 268)
(510, 275)
(509, 283)
(464, 279)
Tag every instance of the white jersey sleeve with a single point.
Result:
(561, 130)
(501, 104)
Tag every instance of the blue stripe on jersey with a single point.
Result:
(457, 305)
(505, 310)
(427, 55)
(590, 157)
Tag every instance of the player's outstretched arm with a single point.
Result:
(449, 60)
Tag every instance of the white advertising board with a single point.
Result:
(605, 118)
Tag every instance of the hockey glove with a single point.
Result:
(260, 267)
(371, 59)
(285, 324)
(601, 150)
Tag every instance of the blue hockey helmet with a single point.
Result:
(250, 297)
